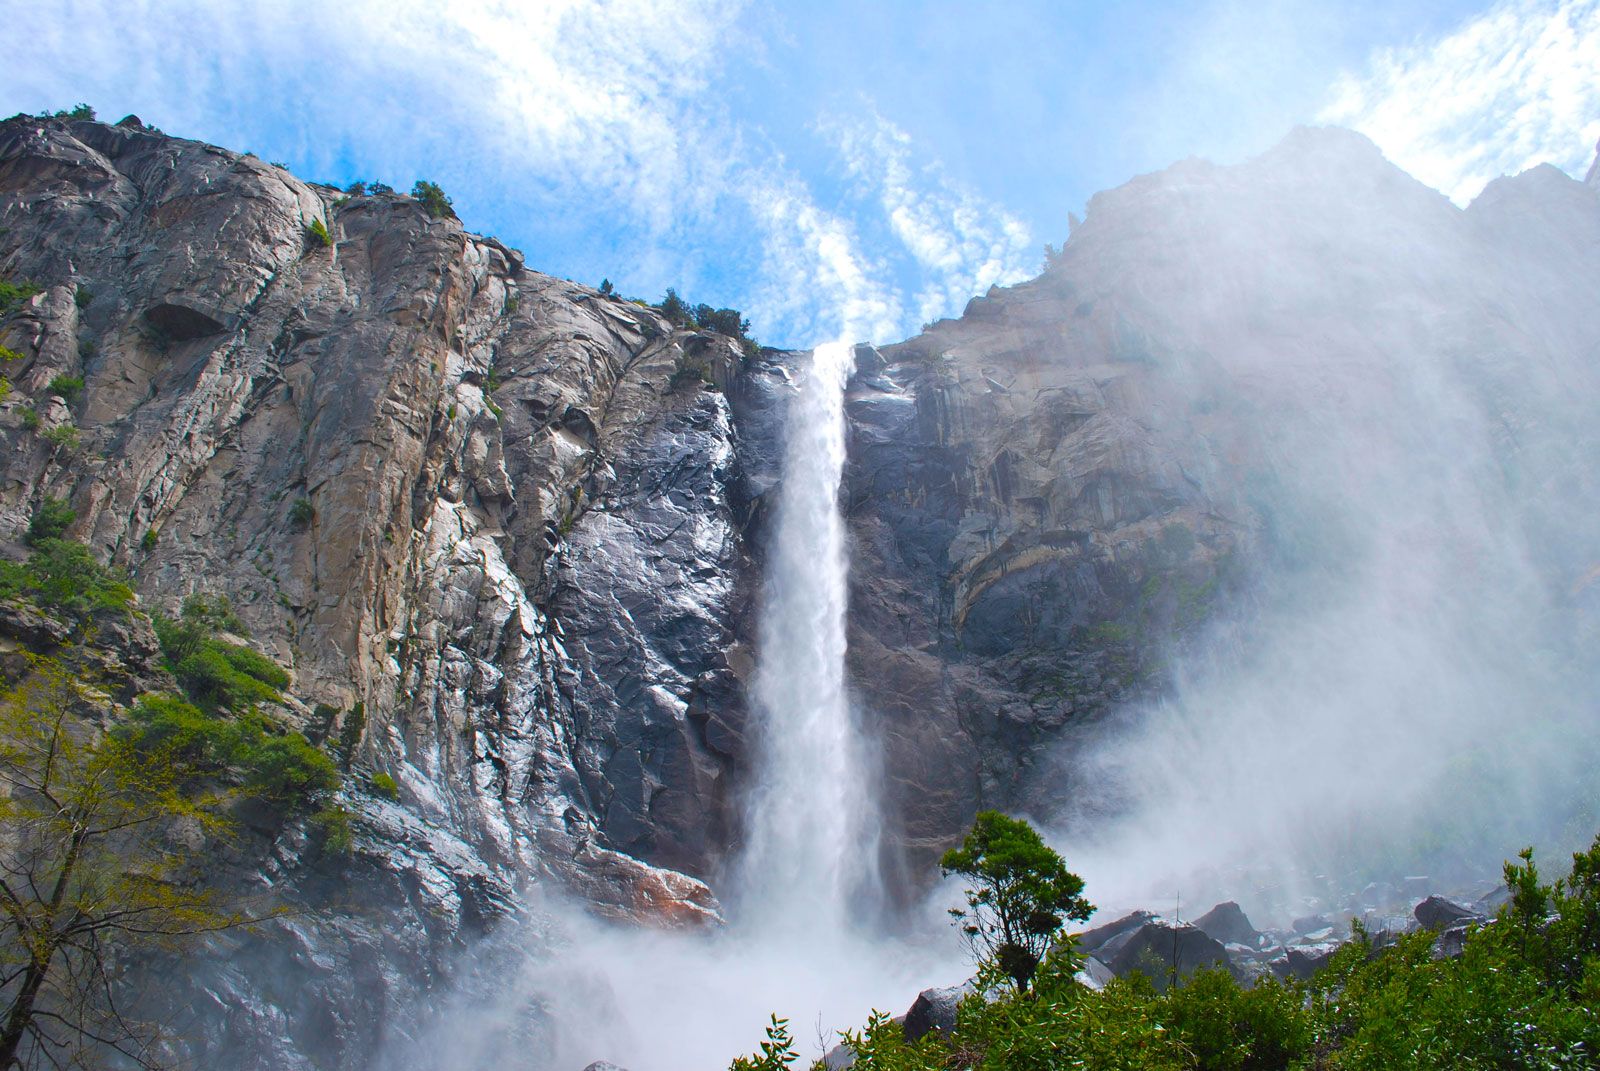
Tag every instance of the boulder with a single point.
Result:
(1161, 949)
(1303, 961)
(1227, 923)
(1437, 913)
(935, 1009)
(1092, 940)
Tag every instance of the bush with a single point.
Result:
(66, 387)
(248, 750)
(30, 418)
(317, 234)
(63, 437)
(384, 785)
(14, 294)
(50, 520)
(148, 541)
(5, 388)
(77, 111)
(62, 575)
(302, 513)
(333, 823)
(82, 297)
(215, 673)
(433, 200)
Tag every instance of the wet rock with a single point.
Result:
(1163, 951)
(1228, 923)
(1303, 961)
(935, 1009)
(1094, 939)
(1437, 913)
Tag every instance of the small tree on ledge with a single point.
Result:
(1021, 896)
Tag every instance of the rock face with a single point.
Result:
(491, 520)
(506, 531)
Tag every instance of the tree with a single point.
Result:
(52, 518)
(675, 309)
(433, 199)
(97, 858)
(1021, 896)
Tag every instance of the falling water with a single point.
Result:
(812, 845)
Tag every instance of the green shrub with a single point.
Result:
(302, 513)
(63, 437)
(5, 388)
(265, 760)
(66, 387)
(14, 294)
(215, 673)
(332, 823)
(351, 731)
(433, 199)
(62, 575)
(50, 520)
(148, 541)
(384, 785)
(9, 354)
(30, 418)
(77, 111)
(317, 234)
(82, 297)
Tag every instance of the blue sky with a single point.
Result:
(834, 169)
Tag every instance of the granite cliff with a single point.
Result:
(506, 531)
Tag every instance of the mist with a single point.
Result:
(1404, 681)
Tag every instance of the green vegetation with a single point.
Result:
(1522, 994)
(50, 520)
(147, 542)
(30, 418)
(66, 387)
(63, 576)
(433, 199)
(14, 294)
(5, 388)
(77, 111)
(217, 726)
(100, 856)
(82, 297)
(350, 733)
(63, 437)
(302, 513)
(245, 749)
(384, 785)
(317, 234)
(728, 322)
(1021, 894)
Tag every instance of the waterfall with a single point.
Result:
(812, 844)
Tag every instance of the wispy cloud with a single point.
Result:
(1514, 87)
(959, 242)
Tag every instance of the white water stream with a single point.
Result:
(810, 857)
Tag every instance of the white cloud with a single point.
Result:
(1516, 86)
(817, 280)
(959, 241)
